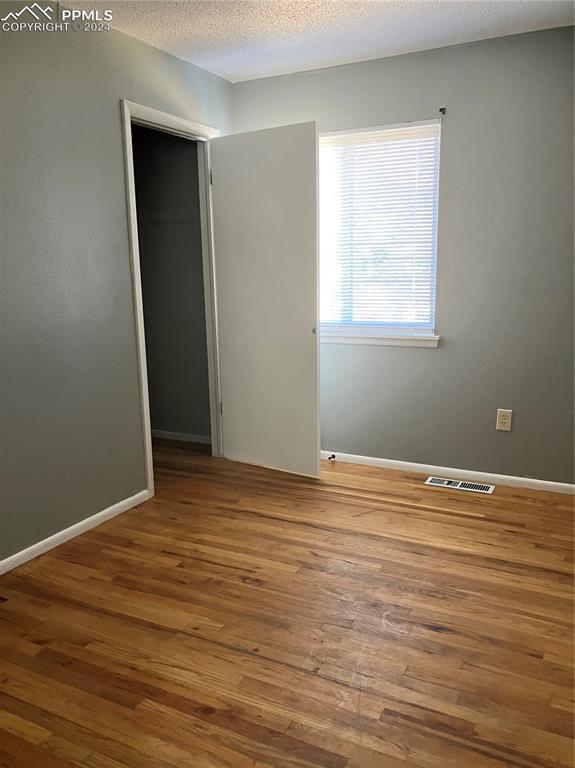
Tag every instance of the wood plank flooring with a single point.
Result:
(245, 618)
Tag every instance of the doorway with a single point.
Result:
(258, 204)
(173, 279)
(170, 245)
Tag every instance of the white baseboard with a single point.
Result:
(456, 474)
(74, 530)
(183, 436)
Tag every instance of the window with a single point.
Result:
(378, 234)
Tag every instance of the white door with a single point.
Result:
(265, 244)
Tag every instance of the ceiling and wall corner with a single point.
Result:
(247, 39)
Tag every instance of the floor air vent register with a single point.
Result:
(459, 485)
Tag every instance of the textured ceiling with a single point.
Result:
(245, 39)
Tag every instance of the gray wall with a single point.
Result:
(505, 263)
(72, 435)
(72, 441)
(170, 245)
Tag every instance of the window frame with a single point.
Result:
(385, 334)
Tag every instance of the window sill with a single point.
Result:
(384, 341)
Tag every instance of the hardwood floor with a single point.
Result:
(249, 618)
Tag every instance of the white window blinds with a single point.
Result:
(378, 230)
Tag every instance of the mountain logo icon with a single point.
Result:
(36, 10)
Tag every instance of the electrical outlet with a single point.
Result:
(504, 419)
